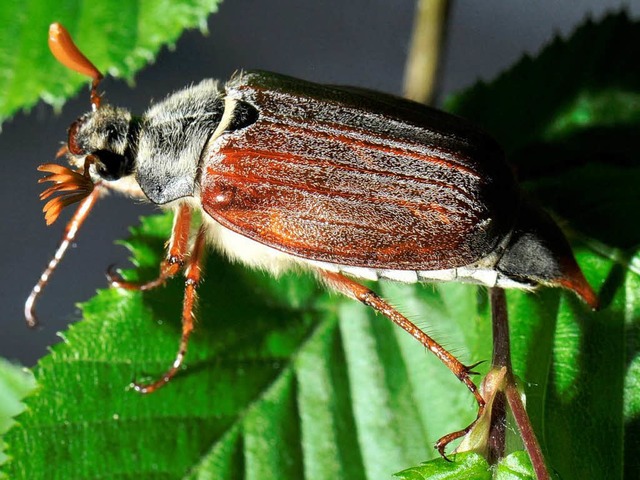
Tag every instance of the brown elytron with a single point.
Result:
(304, 180)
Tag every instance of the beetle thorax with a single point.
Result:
(173, 134)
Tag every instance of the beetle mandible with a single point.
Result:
(345, 182)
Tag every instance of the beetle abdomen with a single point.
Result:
(337, 175)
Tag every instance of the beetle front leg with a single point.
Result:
(192, 276)
(355, 290)
(171, 265)
(70, 232)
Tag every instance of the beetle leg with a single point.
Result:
(175, 257)
(355, 290)
(70, 232)
(193, 274)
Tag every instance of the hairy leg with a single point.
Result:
(365, 295)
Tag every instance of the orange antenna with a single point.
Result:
(69, 55)
(73, 187)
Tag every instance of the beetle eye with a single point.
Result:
(74, 148)
(112, 166)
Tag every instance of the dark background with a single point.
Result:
(360, 42)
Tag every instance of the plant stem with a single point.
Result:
(502, 358)
(500, 325)
(421, 70)
(526, 430)
(497, 429)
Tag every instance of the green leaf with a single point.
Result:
(464, 466)
(472, 466)
(516, 466)
(16, 383)
(284, 380)
(131, 33)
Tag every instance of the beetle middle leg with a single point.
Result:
(193, 274)
(172, 264)
(355, 290)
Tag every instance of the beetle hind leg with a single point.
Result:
(172, 264)
(193, 275)
(463, 372)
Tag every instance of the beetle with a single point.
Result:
(345, 182)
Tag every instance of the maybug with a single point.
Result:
(345, 182)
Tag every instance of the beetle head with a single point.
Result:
(101, 147)
(106, 137)
(539, 254)
(101, 143)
